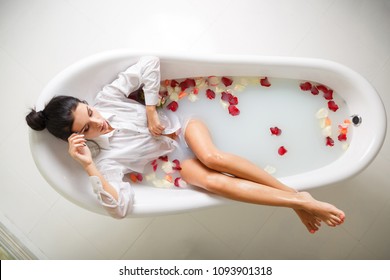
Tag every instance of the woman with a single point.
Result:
(131, 135)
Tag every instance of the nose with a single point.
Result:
(96, 122)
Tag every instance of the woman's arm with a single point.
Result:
(154, 124)
(81, 153)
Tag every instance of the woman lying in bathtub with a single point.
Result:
(131, 135)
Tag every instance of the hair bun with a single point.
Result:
(36, 120)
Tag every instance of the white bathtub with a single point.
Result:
(85, 78)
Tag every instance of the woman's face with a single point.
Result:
(88, 121)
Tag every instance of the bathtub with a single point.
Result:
(86, 77)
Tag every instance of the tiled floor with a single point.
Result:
(39, 38)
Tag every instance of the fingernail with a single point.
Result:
(312, 231)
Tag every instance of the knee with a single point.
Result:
(214, 183)
(213, 160)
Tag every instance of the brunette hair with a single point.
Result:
(57, 116)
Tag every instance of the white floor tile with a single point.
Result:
(381, 82)
(58, 240)
(236, 224)
(47, 37)
(377, 238)
(19, 92)
(19, 202)
(293, 241)
(109, 236)
(178, 237)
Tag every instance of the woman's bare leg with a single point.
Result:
(195, 173)
(199, 140)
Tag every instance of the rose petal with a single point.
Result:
(187, 83)
(264, 82)
(270, 169)
(174, 96)
(233, 110)
(213, 81)
(139, 177)
(210, 94)
(193, 97)
(342, 137)
(176, 166)
(133, 177)
(275, 131)
(322, 88)
(333, 106)
(327, 131)
(174, 83)
(305, 86)
(322, 113)
(173, 106)
(314, 90)
(163, 158)
(150, 176)
(282, 150)
(226, 81)
(328, 95)
(239, 87)
(329, 142)
(233, 100)
(167, 167)
(179, 182)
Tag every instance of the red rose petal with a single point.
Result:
(333, 106)
(187, 83)
(329, 142)
(225, 96)
(342, 137)
(176, 183)
(328, 95)
(282, 151)
(226, 81)
(305, 86)
(163, 158)
(275, 131)
(154, 165)
(174, 83)
(264, 82)
(210, 94)
(314, 90)
(173, 106)
(139, 177)
(177, 165)
(233, 110)
(322, 88)
(228, 97)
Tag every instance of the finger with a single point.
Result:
(75, 136)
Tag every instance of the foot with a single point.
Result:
(311, 222)
(326, 212)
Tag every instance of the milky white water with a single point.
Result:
(284, 105)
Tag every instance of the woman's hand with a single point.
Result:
(154, 124)
(79, 151)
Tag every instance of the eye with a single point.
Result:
(90, 112)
